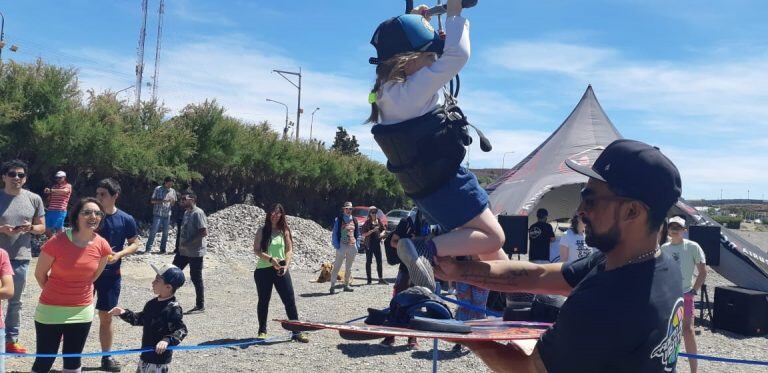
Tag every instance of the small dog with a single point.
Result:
(325, 273)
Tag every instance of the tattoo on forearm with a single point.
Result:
(482, 276)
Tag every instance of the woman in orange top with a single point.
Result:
(67, 266)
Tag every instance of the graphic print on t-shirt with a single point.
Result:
(669, 347)
(582, 250)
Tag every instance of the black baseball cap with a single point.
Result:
(405, 33)
(170, 274)
(636, 170)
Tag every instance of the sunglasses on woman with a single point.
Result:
(95, 213)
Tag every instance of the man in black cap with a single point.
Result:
(541, 235)
(624, 311)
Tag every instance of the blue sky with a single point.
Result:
(688, 76)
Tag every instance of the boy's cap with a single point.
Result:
(60, 174)
(677, 220)
(405, 33)
(171, 275)
(636, 170)
(347, 205)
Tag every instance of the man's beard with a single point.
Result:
(605, 242)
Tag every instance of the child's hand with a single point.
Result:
(454, 8)
(161, 346)
(117, 311)
(420, 9)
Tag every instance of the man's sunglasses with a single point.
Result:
(12, 174)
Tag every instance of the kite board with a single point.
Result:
(491, 329)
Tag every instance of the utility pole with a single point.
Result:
(285, 129)
(311, 122)
(2, 34)
(298, 86)
(140, 52)
(160, 12)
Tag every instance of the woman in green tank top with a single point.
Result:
(273, 246)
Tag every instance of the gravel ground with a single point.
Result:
(231, 316)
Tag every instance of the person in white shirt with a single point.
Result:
(410, 115)
(690, 256)
(573, 245)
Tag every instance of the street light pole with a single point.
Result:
(298, 86)
(2, 34)
(503, 159)
(285, 130)
(312, 121)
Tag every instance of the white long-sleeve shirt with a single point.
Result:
(420, 93)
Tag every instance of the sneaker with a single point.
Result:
(197, 309)
(388, 341)
(383, 282)
(413, 343)
(369, 282)
(348, 288)
(411, 253)
(15, 348)
(333, 290)
(109, 364)
(300, 337)
(261, 336)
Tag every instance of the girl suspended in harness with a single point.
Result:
(423, 135)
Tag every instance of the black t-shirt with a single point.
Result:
(625, 320)
(540, 236)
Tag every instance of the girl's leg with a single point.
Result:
(368, 260)
(377, 254)
(264, 278)
(480, 236)
(74, 342)
(48, 337)
(284, 287)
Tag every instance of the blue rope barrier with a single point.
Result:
(148, 349)
(471, 306)
(723, 359)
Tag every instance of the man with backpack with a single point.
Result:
(346, 240)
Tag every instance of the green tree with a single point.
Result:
(345, 144)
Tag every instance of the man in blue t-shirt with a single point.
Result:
(118, 228)
(624, 311)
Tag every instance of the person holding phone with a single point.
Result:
(23, 214)
(273, 246)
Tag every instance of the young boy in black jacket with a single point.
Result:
(161, 319)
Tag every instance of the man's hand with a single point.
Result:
(161, 346)
(47, 190)
(6, 229)
(117, 311)
(113, 258)
(23, 228)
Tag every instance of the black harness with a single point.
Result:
(426, 151)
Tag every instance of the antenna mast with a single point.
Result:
(140, 52)
(160, 12)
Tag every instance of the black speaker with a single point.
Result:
(709, 239)
(516, 232)
(741, 311)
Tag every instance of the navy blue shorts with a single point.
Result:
(107, 289)
(457, 202)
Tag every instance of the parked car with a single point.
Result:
(360, 213)
(393, 218)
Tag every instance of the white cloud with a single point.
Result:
(548, 56)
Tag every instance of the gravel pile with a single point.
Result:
(231, 232)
